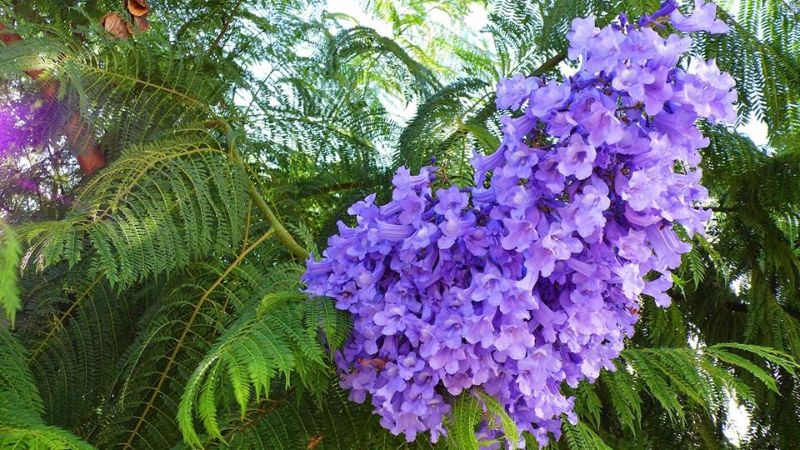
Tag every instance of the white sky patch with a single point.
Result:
(738, 424)
(756, 130)
(477, 18)
(355, 10)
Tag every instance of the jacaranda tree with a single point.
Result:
(215, 233)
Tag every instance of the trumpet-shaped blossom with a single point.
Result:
(534, 277)
(703, 18)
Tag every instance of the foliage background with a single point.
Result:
(155, 303)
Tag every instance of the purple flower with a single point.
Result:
(405, 183)
(666, 8)
(580, 36)
(656, 93)
(632, 79)
(391, 320)
(639, 46)
(511, 92)
(518, 304)
(596, 113)
(703, 18)
(548, 173)
(451, 200)
(709, 92)
(577, 158)
(521, 234)
(365, 210)
(589, 208)
(453, 228)
(409, 365)
(560, 242)
(514, 340)
(603, 51)
(477, 241)
(634, 246)
(393, 232)
(658, 288)
(642, 190)
(519, 161)
(482, 164)
(632, 281)
(670, 50)
(557, 245)
(548, 98)
(531, 279)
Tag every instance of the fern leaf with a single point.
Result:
(581, 437)
(462, 423)
(10, 251)
(496, 411)
(21, 425)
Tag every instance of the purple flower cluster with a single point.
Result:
(533, 278)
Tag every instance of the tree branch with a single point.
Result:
(225, 25)
(281, 233)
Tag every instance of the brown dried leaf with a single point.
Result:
(34, 73)
(91, 160)
(116, 25)
(142, 24)
(81, 138)
(8, 37)
(78, 132)
(314, 442)
(137, 8)
(49, 89)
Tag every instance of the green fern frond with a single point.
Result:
(673, 374)
(76, 334)
(439, 129)
(581, 437)
(462, 423)
(21, 425)
(35, 53)
(498, 418)
(16, 382)
(124, 94)
(25, 431)
(367, 45)
(623, 392)
(10, 252)
(296, 419)
(762, 35)
(278, 341)
(152, 211)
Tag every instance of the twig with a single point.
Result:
(281, 233)
(225, 25)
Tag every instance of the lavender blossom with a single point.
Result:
(534, 278)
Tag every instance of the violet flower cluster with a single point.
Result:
(533, 278)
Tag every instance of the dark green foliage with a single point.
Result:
(21, 425)
(154, 209)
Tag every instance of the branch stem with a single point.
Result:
(281, 233)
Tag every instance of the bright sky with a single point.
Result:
(738, 418)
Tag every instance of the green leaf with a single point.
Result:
(581, 437)
(495, 411)
(10, 251)
(462, 423)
